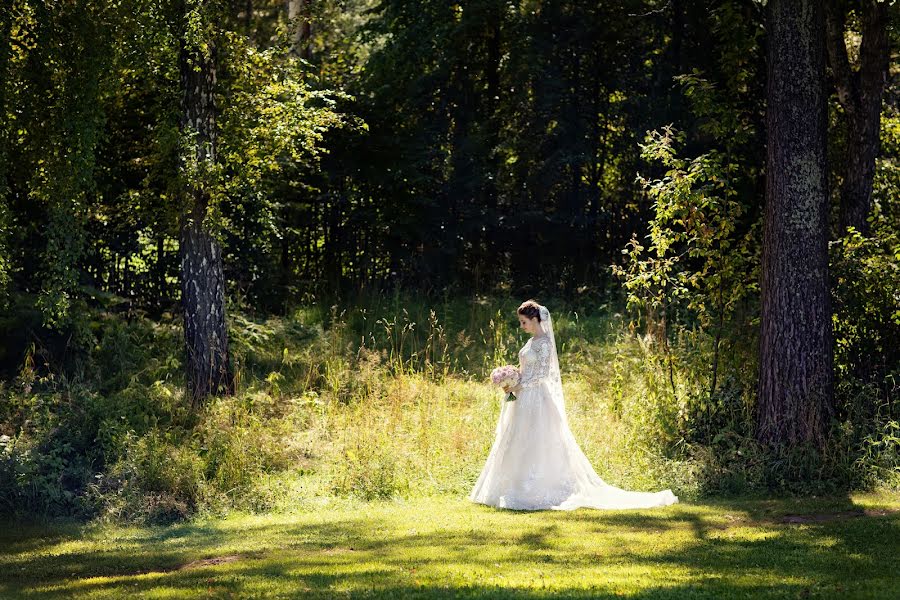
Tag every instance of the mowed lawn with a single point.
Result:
(842, 547)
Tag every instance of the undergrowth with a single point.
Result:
(390, 398)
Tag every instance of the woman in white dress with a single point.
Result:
(535, 462)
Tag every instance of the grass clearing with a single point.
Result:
(446, 547)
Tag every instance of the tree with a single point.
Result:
(795, 373)
(4, 212)
(202, 278)
(299, 19)
(859, 92)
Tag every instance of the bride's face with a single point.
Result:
(528, 325)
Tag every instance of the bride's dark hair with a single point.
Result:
(530, 309)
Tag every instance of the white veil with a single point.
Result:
(588, 488)
(556, 390)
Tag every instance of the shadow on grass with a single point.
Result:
(682, 551)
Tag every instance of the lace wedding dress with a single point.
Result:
(535, 462)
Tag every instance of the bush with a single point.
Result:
(866, 285)
(159, 478)
(866, 323)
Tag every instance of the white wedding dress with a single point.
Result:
(535, 462)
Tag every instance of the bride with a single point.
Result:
(535, 462)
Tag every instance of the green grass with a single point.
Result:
(446, 547)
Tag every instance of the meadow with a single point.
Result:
(341, 466)
(385, 398)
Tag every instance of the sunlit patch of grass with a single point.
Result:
(446, 547)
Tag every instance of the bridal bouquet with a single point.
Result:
(506, 375)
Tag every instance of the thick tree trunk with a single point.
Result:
(860, 94)
(795, 376)
(202, 279)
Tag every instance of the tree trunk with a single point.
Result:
(795, 371)
(202, 279)
(5, 226)
(160, 275)
(286, 272)
(860, 93)
(298, 12)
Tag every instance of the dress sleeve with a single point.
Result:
(541, 368)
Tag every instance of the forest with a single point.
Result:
(259, 257)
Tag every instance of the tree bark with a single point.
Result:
(160, 275)
(202, 279)
(795, 372)
(5, 23)
(298, 12)
(860, 94)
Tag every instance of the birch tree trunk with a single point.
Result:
(202, 279)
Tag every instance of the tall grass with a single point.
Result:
(385, 397)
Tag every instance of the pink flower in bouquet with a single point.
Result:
(507, 375)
